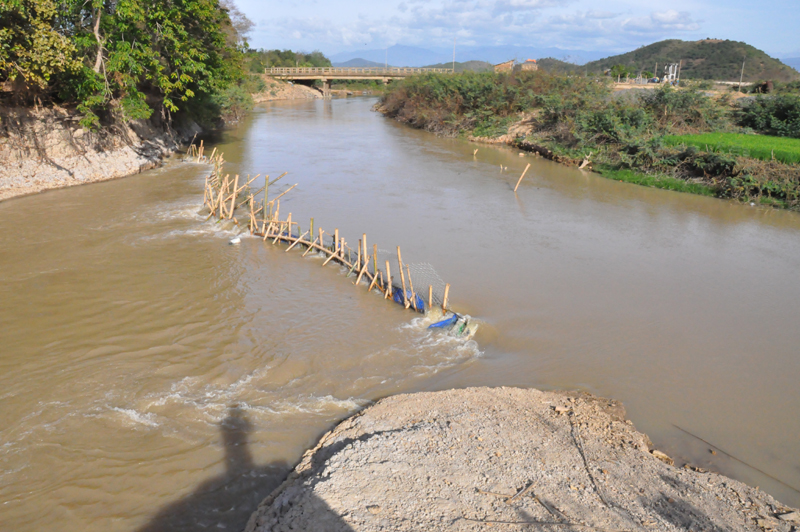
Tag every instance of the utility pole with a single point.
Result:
(454, 55)
(741, 78)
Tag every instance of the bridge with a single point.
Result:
(327, 74)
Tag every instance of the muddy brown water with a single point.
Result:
(154, 377)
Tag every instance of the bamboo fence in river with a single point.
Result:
(227, 197)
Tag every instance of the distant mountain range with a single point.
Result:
(472, 66)
(707, 59)
(357, 63)
(412, 56)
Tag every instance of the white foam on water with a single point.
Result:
(136, 417)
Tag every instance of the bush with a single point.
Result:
(774, 115)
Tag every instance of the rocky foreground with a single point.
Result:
(504, 458)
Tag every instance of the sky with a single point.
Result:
(333, 26)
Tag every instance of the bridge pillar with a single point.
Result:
(326, 89)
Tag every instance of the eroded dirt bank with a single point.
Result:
(503, 457)
(48, 149)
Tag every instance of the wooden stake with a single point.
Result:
(446, 293)
(336, 239)
(375, 259)
(402, 277)
(411, 287)
(430, 297)
(358, 259)
(388, 281)
(520, 177)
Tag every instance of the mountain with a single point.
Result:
(416, 57)
(398, 55)
(358, 62)
(707, 59)
(556, 66)
(471, 66)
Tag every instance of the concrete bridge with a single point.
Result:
(328, 74)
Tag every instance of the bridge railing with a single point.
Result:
(353, 71)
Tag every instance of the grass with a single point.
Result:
(655, 181)
(785, 150)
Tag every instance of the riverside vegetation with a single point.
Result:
(645, 137)
(125, 60)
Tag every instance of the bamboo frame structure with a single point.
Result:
(222, 196)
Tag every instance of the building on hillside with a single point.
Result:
(508, 66)
(530, 64)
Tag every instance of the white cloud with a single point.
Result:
(663, 21)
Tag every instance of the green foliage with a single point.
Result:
(129, 55)
(754, 146)
(258, 60)
(31, 48)
(655, 180)
(775, 115)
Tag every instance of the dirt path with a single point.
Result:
(502, 458)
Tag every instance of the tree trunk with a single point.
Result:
(99, 59)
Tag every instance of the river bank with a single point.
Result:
(47, 148)
(620, 134)
(472, 458)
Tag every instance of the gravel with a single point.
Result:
(504, 458)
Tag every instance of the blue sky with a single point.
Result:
(615, 25)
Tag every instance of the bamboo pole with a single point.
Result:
(358, 259)
(446, 293)
(284, 192)
(233, 199)
(388, 281)
(402, 276)
(363, 269)
(374, 281)
(523, 175)
(336, 239)
(375, 258)
(430, 297)
(297, 241)
(272, 220)
(364, 243)
(411, 287)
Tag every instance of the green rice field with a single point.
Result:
(784, 149)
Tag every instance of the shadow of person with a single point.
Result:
(224, 502)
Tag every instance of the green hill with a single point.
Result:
(556, 66)
(708, 59)
(471, 66)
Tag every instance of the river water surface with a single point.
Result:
(154, 377)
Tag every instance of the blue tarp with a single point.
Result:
(398, 298)
(447, 322)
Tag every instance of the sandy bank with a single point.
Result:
(504, 457)
(282, 90)
(48, 149)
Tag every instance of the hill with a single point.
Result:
(466, 66)
(707, 59)
(556, 66)
(358, 63)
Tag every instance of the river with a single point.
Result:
(154, 377)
